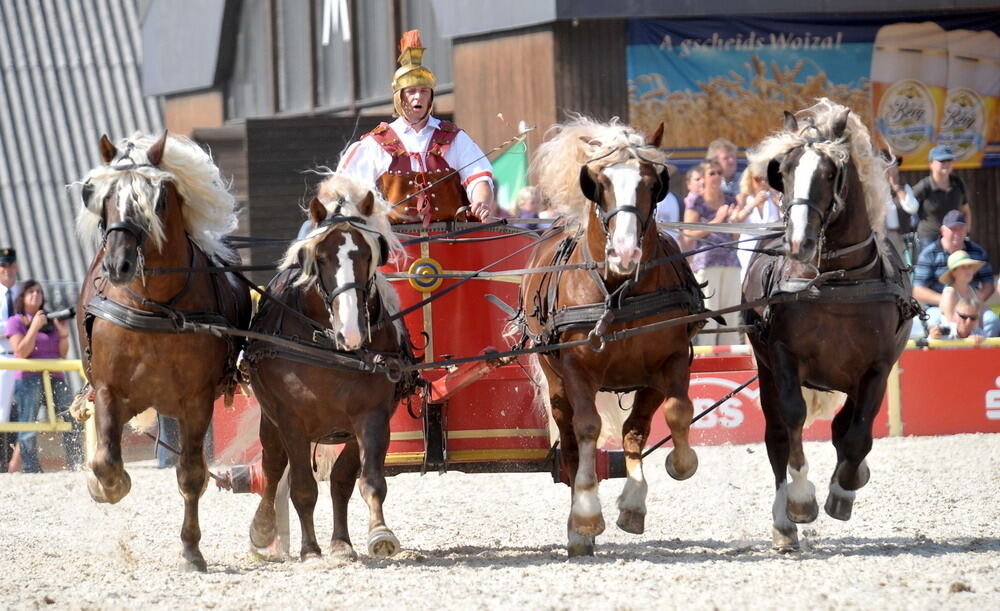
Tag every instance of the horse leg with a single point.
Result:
(342, 479)
(852, 436)
(569, 452)
(635, 432)
(784, 533)
(263, 528)
(304, 490)
(586, 519)
(373, 438)
(108, 482)
(192, 479)
(682, 462)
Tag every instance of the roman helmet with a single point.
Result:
(411, 72)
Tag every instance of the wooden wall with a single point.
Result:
(512, 75)
(592, 76)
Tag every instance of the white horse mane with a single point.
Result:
(341, 195)
(570, 145)
(855, 145)
(209, 207)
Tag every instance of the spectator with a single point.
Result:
(957, 282)
(968, 322)
(669, 210)
(899, 216)
(937, 195)
(694, 180)
(33, 336)
(718, 266)
(933, 263)
(8, 277)
(723, 152)
(530, 205)
(756, 203)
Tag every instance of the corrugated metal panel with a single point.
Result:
(69, 71)
(592, 75)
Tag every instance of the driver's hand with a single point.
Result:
(480, 210)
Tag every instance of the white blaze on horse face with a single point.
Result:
(346, 304)
(799, 217)
(625, 239)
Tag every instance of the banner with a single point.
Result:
(918, 82)
(511, 173)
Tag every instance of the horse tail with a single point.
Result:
(821, 404)
(144, 421)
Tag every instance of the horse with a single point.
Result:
(842, 310)
(333, 293)
(606, 178)
(157, 203)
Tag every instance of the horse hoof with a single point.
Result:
(580, 549)
(802, 513)
(839, 507)
(261, 537)
(677, 474)
(382, 543)
(632, 521)
(311, 555)
(103, 494)
(342, 550)
(194, 561)
(588, 527)
(784, 541)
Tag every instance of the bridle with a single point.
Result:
(836, 207)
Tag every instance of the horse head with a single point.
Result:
(813, 183)
(625, 192)
(340, 257)
(131, 205)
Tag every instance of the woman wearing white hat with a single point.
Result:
(957, 280)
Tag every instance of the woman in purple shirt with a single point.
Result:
(719, 267)
(33, 336)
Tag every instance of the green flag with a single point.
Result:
(511, 173)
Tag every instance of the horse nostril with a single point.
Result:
(124, 267)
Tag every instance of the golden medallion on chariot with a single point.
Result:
(430, 269)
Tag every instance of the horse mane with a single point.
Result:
(341, 194)
(855, 146)
(570, 145)
(209, 207)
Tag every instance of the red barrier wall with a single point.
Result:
(948, 391)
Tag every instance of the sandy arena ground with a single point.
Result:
(924, 536)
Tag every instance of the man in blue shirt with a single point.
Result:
(933, 262)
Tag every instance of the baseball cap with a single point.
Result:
(942, 152)
(954, 218)
(8, 255)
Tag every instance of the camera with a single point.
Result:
(63, 314)
(944, 329)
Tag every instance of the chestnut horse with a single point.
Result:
(851, 313)
(607, 179)
(338, 297)
(157, 203)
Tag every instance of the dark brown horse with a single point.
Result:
(340, 298)
(851, 313)
(609, 179)
(157, 203)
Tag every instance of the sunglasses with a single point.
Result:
(967, 317)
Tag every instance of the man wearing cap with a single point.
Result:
(8, 278)
(939, 194)
(933, 263)
(429, 167)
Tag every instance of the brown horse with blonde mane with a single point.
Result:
(606, 180)
(849, 308)
(157, 204)
(337, 301)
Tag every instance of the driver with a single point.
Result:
(416, 150)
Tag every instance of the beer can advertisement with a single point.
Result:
(917, 81)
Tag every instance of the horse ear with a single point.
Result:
(655, 138)
(774, 174)
(317, 211)
(367, 205)
(791, 123)
(155, 152)
(587, 184)
(664, 183)
(108, 150)
(839, 124)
